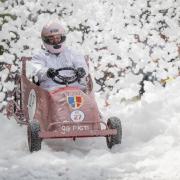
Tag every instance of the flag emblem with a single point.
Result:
(75, 101)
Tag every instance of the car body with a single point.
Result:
(67, 112)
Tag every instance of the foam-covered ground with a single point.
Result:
(149, 150)
(124, 40)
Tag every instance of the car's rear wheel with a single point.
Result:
(34, 141)
(114, 123)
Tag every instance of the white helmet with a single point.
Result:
(53, 36)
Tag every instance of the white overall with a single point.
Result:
(44, 60)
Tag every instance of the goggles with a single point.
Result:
(54, 39)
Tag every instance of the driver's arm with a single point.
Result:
(80, 62)
(39, 67)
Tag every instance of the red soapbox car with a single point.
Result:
(66, 112)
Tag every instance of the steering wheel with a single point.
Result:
(65, 80)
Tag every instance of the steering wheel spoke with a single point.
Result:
(65, 80)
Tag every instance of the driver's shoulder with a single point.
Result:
(41, 54)
(72, 52)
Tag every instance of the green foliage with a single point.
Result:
(3, 16)
(3, 1)
(13, 17)
(1, 49)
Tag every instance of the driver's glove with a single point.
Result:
(80, 72)
(51, 73)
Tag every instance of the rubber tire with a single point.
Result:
(34, 141)
(114, 123)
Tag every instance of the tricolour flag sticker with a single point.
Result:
(75, 101)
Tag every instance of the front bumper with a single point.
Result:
(77, 134)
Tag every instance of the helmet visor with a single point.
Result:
(54, 39)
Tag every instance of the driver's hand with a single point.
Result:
(51, 73)
(80, 72)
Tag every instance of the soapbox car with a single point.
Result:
(66, 112)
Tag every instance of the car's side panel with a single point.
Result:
(35, 102)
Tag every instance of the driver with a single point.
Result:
(54, 56)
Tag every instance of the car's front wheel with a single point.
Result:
(34, 141)
(114, 123)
